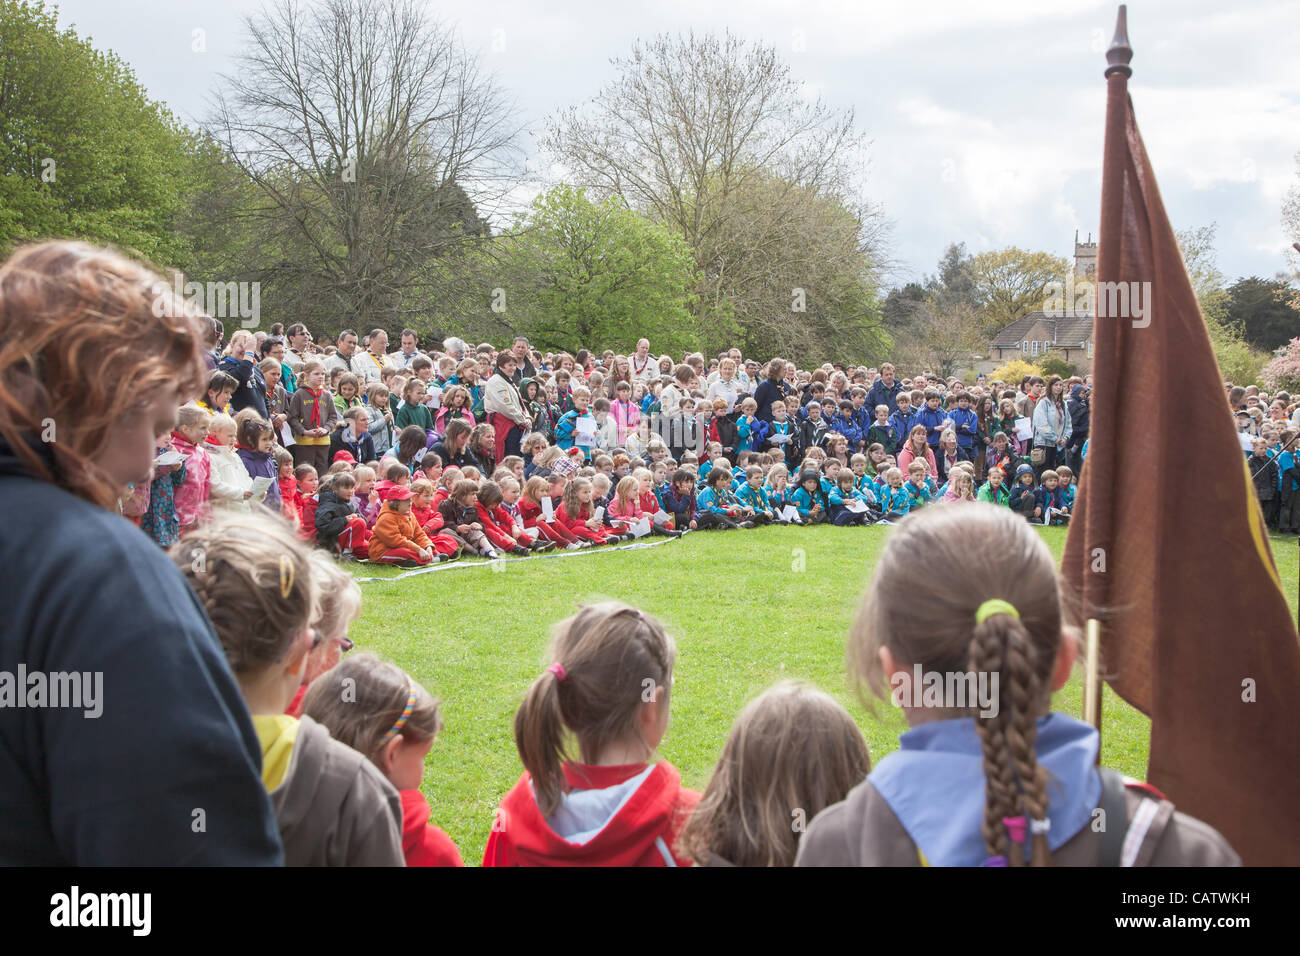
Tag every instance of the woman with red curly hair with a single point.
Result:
(96, 354)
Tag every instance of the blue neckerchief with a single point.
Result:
(935, 785)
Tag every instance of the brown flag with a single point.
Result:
(1167, 546)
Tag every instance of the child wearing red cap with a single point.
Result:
(397, 538)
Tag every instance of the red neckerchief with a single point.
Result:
(644, 365)
(314, 422)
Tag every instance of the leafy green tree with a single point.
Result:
(1010, 283)
(954, 283)
(85, 153)
(584, 274)
(1263, 310)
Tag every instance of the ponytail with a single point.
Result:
(539, 736)
(605, 657)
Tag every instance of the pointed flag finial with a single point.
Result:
(1120, 53)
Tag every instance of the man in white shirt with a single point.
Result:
(409, 350)
(367, 365)
(644, 365)
(346, 357)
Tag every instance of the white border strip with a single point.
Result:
(563, 553)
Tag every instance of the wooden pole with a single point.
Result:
(1092, 673)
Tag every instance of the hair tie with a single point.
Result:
(1015, 828)
(406, 712)
(1040, 826)
(994, 606)
(558, 670)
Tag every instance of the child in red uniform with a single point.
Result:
(308, 481)
(378, 711)
(498, 522)
(609, 687)
(530, 511)
(430, 519)
(576, 514)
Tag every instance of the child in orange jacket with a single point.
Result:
(397, 539)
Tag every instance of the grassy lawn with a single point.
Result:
(474, 635)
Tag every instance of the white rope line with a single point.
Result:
(564, 553)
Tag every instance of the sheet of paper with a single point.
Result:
(662, 517)
(779, 439)
(856, 506)
(1024, 429)
(286, 436)
(260, 486)
(433, 398)
(599, 514)
(789, 513)
(586, 431)
(172, 457)
(548, 509)
(641, 528)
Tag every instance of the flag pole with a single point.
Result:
(1117, 73)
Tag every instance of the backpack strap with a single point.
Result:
(1114, 805)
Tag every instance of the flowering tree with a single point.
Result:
(1283, 371)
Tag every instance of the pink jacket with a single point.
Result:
(905, 458)
(626, 415)
(631, 514)
(192, 497)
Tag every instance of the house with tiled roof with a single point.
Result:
(1038, 334)
(1066, 334)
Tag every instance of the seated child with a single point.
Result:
(428, 517)
(994, 491)
(752, 495)
(339, 529)
(576, 514)
(376, 709)
(334, 808)
(846, 484)
(460, 514)
(1023, 499)
(919, 487)
(894, 499)
(307, 483)
(499, 525)
(609, 687)
(396, 538)
(793, 746)
(717, 507)
(288, 485)
(533, 514)
(1049, 502)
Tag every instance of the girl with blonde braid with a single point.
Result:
(988, 774)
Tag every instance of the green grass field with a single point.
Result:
(743, 617)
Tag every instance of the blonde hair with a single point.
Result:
(791, 747)
(606, 651)
(929, 622)
(628, 490)
(255, 579)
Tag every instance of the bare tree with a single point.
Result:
(374, 141)
(691, 130)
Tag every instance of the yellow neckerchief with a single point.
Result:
(277, 734)
(379, 359)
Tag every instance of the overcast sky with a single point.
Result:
(984, 118)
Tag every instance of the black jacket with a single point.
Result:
(1080, 416)
(331, 518)
(173, 736)
(1264, 474)
(765, 394)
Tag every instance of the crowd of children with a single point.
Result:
(595, 455)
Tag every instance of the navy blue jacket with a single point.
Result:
(169, 773)
(965, 439)
(932, 419)
(251, 391)
(882, 394)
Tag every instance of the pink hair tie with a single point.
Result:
(1015, 828)
(558, 671)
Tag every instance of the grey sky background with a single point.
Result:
(984, 119)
